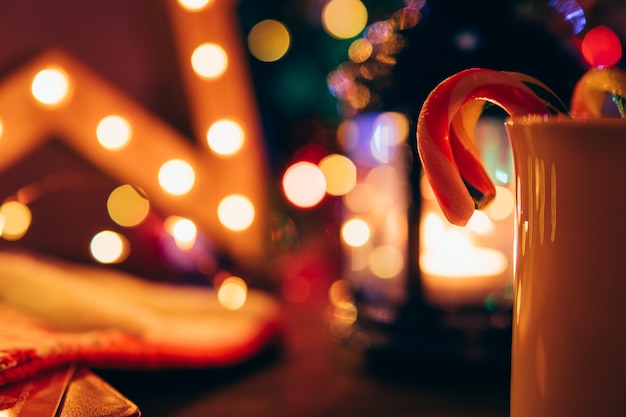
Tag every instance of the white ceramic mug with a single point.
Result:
(569, 324)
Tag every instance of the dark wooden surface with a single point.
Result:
(312, 376)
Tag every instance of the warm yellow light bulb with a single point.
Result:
(236, 212)
(113, 132)
(109, 247)
(193, 5)
(225, 137)
(184, 231)
(209, 60)
(15, 219)
(50, 86)
(177, 177)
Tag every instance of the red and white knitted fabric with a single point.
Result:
(53, 313)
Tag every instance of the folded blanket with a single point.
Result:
(54, 312)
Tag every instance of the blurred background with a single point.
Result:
(316, 69)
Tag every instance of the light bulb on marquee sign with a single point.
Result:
(56, 94)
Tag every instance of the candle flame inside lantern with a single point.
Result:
(451, 251)
(456, 256)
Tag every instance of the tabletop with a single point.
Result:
(310, 375)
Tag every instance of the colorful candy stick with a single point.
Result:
(465, 152)
(592, 88)
(437, 129)
(464, 146)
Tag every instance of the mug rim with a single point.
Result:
(561, 119)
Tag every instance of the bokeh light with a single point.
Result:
(225, 137)
(344, 19)
(348, 135)
(15, 219)
(345, 313)
(360, 50)
(456, 256)
(209, 60)
(127, 206)
(359, 199)
(50, 86)
(194, 5)
(379, 32)
(391, 130)
(176, 177)
(386, 261)
(379, 179)
(339, 172)
(481, 224)
(304, 184)
(236, 212)
(184, 231)
(109, 247)
(503, 205)
(355, 232)
(601, 47)
(269, 40)
(571, 12)
(113, 132)
(339, 291)
(232, 293)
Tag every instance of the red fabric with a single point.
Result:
(54, 312)
(28, 347)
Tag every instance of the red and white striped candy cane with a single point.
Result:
(445, 133)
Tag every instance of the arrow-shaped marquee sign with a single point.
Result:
(217, 180)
